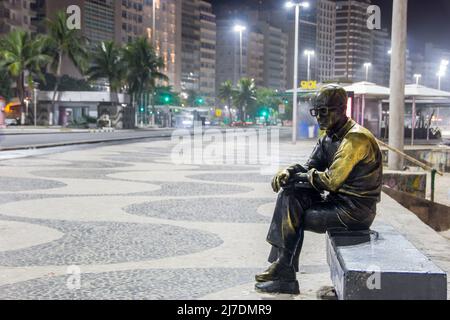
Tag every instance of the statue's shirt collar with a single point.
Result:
(340, 134)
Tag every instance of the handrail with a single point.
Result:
(418, 163)
(413, 160)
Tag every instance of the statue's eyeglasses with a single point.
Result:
(322, 111)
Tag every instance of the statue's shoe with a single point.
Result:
(285, 287)
(277, 272)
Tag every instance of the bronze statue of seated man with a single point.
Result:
(339, 187)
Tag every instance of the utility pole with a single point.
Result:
(397, 83)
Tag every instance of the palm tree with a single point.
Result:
(107, 63)
(166, 95)
(143, 69)
(64, 42)
(245, 96)
(192, 96)
(267, 98)
(5, 84)
(226, 92)
(23, 57)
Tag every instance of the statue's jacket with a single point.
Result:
(348, 164)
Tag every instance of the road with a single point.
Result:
(24, 140)
(34, 139)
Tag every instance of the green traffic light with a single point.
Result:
(166, 99)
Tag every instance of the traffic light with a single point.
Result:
(200, 101)
(264, 113)
(166, 99)
(141, 109)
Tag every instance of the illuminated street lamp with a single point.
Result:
(417, 76)
(297, 5)
(442, 71)
(240, 28)
(309, 54)
(367, 65)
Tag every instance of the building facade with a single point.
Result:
(326, 39)
(275, 55)
(228, 53)
(430, 65)
(264, 46)
(380, 57)
(164, 32)
(255, 57)
(207, 80)
(17, 14)
(190, 45)
(353, 40)
(129, 19)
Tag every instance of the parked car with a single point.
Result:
(11, 122)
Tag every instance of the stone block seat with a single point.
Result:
(381, 264)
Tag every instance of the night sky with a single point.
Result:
(428, 21)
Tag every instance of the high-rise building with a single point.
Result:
(128, 19)
(308, 36)
(353, 39)
(16, 14)
(228, 53)
(190, 45)
(255, 57)
(207, 79)
(326, 39)
(432, 59)
(122, 21)
(99, 20)
(166, 35)
(275, 47)
(264, 46)
(380, 57)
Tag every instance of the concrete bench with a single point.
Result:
(381, 265)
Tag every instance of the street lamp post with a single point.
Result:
(35, 99)
(154, 23)
(240, 29)
(442, 71)
(297, 6)
(367, 65)
(417, 76)
(309, 54)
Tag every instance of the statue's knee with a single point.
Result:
(314, 221)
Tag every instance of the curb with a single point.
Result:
(62, 144)
(69, 143)
(101, 130)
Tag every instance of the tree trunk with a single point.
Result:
(112, 95)
(55, 90)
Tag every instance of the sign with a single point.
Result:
(308, 85)
(281, 109)
(218, 112)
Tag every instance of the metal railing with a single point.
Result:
(422, 165)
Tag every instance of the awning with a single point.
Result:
(368, 89)
(418, 91)
(358, 88)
